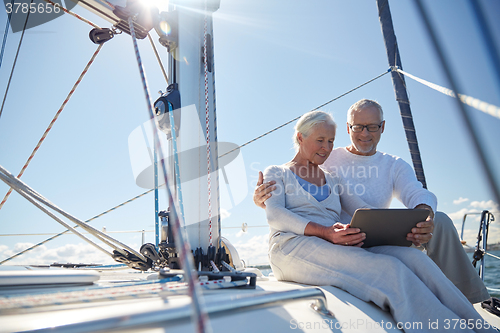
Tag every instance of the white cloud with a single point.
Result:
(70, 253)
(460, 200)
(224, 213)
(254, 250)
(459, 215)
(489, 205)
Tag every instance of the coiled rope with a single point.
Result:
(490, 109)
(54, 120)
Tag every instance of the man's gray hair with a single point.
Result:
(361, 104)
(308, 121)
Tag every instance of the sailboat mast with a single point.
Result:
(391, 46)
(192, 72)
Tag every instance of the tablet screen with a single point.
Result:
(387, 226)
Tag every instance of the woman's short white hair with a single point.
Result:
(306, 123)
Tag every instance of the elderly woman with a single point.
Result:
(308, 245)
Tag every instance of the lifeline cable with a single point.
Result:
(14, 64)
(186, 259)
(67, 230)
(294, 119)
(490, 109)
(53, 120)
(31, 195)
(4, 176)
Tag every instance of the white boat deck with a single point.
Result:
(272, 306)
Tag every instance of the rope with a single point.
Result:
(207, 125)
(14, 65)
(72, 14)
(109, 4)
(5, 34)
(490, 109)
(53, 121)
(294, 119)
(186, 259)
(158, 58)
(66, 231)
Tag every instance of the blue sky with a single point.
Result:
(274, 61)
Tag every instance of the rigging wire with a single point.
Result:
(158, 58)
(54, 120)
(207, 126)
(186, 259)
(487, 36)
(491, 179)
(316, 108)
(14, 65)
(490, 109)
(5, 34)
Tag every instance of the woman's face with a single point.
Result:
(317, 146)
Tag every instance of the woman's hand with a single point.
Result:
(263, 191)
(338, 233)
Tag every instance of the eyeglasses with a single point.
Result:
(360, 128)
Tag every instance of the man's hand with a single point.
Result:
(422, 233)
(263, 191)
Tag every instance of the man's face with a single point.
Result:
(365, 142)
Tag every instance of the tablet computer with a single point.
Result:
(387, 226)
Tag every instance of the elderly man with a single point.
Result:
(377, 177)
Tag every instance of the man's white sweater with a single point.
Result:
(377, 179)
